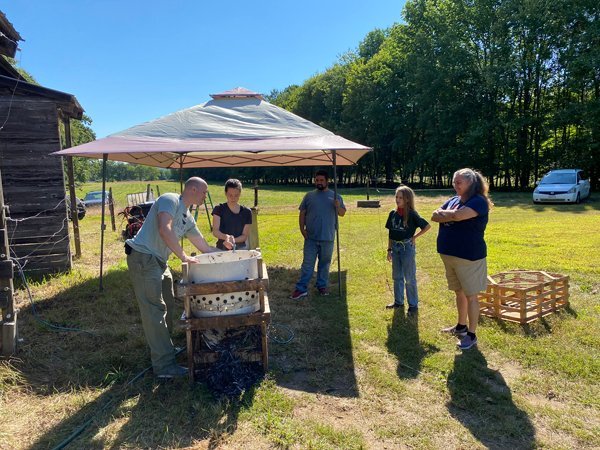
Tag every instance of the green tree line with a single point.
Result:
(510, 87)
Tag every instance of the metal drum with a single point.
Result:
(225, 266)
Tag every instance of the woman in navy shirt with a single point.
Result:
(462, 247)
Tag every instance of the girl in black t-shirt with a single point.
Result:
(402, 224)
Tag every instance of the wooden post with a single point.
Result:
(8, 340)
(253, 241)
(255, 193)
(148, 192)
(157, 191)
(188, 315)
(522, 296)
(264, 345)
(261, 292)
(71, 182)
(263, 326)
(111, 208)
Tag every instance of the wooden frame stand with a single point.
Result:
(198, 354)
(524, 295)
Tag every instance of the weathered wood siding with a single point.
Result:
(33, 183)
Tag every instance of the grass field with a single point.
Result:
(355, 375)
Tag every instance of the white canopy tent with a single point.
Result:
(237, 128)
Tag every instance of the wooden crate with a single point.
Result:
(524, 295)
(199, 356)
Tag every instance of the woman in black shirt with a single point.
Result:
(231, 221)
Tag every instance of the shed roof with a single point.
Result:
(67, 103)
(8, 37)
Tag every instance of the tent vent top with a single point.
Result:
(238, 92)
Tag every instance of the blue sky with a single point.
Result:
(131, 61)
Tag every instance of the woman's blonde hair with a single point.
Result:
(478, 185)
(409, 201)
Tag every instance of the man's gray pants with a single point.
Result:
(153, 287)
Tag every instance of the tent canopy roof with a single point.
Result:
(237, 128)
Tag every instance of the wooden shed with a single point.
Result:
(32, 179)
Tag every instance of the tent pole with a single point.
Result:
(103, 226)
(337, 227)
(181, 174)
(181, 183)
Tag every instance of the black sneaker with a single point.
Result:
(454, 331)
(394, 305)
(413, 310)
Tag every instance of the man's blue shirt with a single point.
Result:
(320, 214)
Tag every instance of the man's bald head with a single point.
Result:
(194, 191)
(195, 182)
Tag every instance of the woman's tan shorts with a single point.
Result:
(463, 274)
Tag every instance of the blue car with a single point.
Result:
(94, 198)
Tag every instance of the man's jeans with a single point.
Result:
(323, 250)
(404, 272)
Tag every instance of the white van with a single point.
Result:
(562, 186)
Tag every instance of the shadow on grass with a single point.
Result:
(71, 368)
(87, 375)
(482, 402)
(319, 358)
(149, 414)
(403, 341)
(540, 327)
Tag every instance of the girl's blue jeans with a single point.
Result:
(404, 272)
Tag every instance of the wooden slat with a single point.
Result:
(211, 357)
(40, 226)
(41, 248)
(25, 239)
(47, 191)
(222, 322)
(222, 287)
(50, 264)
